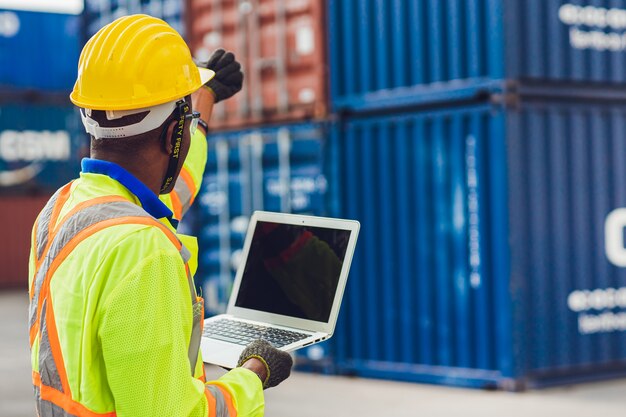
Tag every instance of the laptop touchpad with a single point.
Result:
(220, 353)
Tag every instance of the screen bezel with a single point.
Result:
(302, 220)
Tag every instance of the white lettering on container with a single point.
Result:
(599, 299)
(9, 24)
(31, 145)
(614, 237)
(473, 208)
(305, 40)
(594, 309)
(602, 323)
(597, 20)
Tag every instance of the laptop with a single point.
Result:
(288, 287)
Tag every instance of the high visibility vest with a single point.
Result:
(67, 229)
(53, 245)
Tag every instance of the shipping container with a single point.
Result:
(99, 13)
(39, 51)
(41, 146)
(281, 45)
(491, 251)
(280, 168)
(395, 53)
(19, 213)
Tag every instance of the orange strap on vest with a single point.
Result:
(55, 240)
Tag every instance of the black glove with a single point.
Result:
(228, 77)
(277, 362)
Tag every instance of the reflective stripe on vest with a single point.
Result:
(51, 402)
(183, 194)
(184, 190)
(48, 408)
(220, 406)
(43, 225)
(54, 244)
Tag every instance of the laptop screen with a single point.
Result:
(293, 270)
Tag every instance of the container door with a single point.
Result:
(281, 46)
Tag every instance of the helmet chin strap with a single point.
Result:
(182, 109)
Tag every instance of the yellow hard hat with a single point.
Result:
(135, 62)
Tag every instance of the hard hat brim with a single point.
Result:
(205, 74)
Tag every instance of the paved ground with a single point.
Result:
(305, 395)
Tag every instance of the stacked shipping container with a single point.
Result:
(479, 142)
(40, 146)
(38, 51)
(267, 150)
(40, 139)
(490, 204)
(99, 13)
(399, 53)
(41, 136)
(488, 225)
(281, 46)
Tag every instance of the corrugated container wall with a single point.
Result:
(41, 146)
(567, 205)
(39, 51)
(280, 168)
(499, 234)
(20, 213)
(281, 45)
(99, 13)
(394, 53)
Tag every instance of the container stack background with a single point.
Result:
(480, 143)
(268, 149)
(41, 140)
(481, 146)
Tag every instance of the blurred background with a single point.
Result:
(480, 143)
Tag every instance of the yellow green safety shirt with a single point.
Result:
(114, 318)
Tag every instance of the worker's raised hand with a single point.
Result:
(277, 362)
(228, 75)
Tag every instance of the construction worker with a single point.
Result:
(114, 318)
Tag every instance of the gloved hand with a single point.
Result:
(277, 362)
(228, 77)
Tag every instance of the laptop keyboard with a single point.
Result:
(242, 333)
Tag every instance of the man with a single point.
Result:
(114, 318)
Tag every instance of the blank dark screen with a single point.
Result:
(293, 270)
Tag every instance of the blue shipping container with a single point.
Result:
(397, 52)
(99, 13)
(273, 169)
(491, 250)
(40, 147)
(39, 51)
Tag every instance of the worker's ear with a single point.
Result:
(166, 140)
